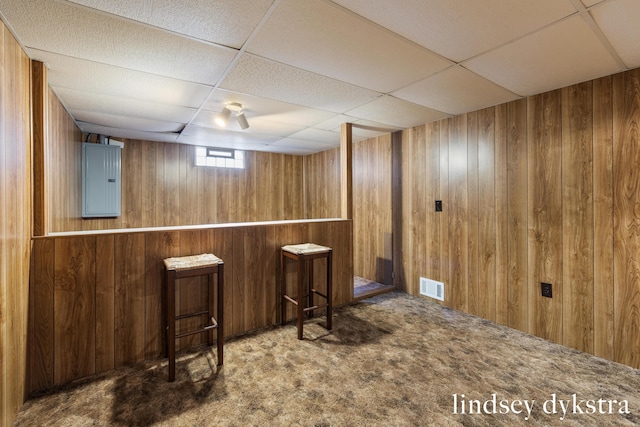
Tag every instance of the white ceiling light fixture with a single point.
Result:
(235, 107)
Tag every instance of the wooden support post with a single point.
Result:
(39, 95)
(346, 171)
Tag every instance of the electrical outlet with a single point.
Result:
(546, 290)
(438, 205)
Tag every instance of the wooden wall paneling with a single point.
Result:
(236, 317)
(459, 210)
(473, 273)
(129, 298)
(446, 214)
(433, 237)
(158, 246)
(517, 301)
(603, 332)
(255, 255)
(397, 204)
(502, 215)
(359, 215)
(626, 217)
(385, 236)
(74, 308)
(105, 303)
(160, 189)
(190, 292)
(273, 242)
(418, 202)
(131, 198)
(170, 200)
(320, 233)
(148, 166)
(545, 154)
(487, 231)
(190, 194)
(41, 321)
(577, 214)
(220, 243)
(406, 251)
(39, 87)
(342, 262)
(346, 171)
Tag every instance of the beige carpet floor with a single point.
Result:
(393, 359)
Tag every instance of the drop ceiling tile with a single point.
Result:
(126, 122)
(302, 144)
(360, 128)
(293, 151)
(589, 3)
(101, 103)
(79, 32)
(267, 109)
(223, 141)
(560, 55)
(315, 35)
(127, 134)
(269, 79)
(318, 135)
(455, 91)
(460, 29)
(257, 125)
(88, 76)
(225, 22)
(214, 136)
(392, 111)
(618, 19)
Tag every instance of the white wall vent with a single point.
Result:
(432, 288)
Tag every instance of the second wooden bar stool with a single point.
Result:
(190, 266)
(305, 254)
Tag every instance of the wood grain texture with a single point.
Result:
(161, 186)
(473, 201)
(577, 214)
(15, 223)
(74, 308)
(459, 214)
(105, 303)
(346, 171)
(603, 317)
(502, 216)
(40, 91)
(322, 184)
(626, 216)
(372, 210)
(545, 191)
(517, 296)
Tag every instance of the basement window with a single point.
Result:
(220, 157)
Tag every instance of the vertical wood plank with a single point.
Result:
(517, 300)
(190, 293)
(502, 215)
(603, 332)
(418, 208)
(459, 211)
(446, 214)
(435, 264)
(544, 133)
(41, 320)
(39, 88)
(158, 246)
(487, 230)
(105, 303)
(220, 243)
(577, 183)
(346, 174)
(129, 298)
(473, 273)
(74, 308)
(626, 217)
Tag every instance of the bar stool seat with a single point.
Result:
(191, 266)
(304, 254)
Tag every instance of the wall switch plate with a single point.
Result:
(438, 205)
(546, 290)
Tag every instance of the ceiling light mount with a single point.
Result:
(235, 107)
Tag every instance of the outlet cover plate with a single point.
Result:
(547, 290)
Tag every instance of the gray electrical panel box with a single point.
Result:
(100, 180)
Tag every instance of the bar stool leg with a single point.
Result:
(220, 313)
(283, 291)
(310, 262)
(210, 305)
(300, 305)
(171, 324)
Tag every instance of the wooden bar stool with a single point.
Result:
(304, 254)
(190, 266)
